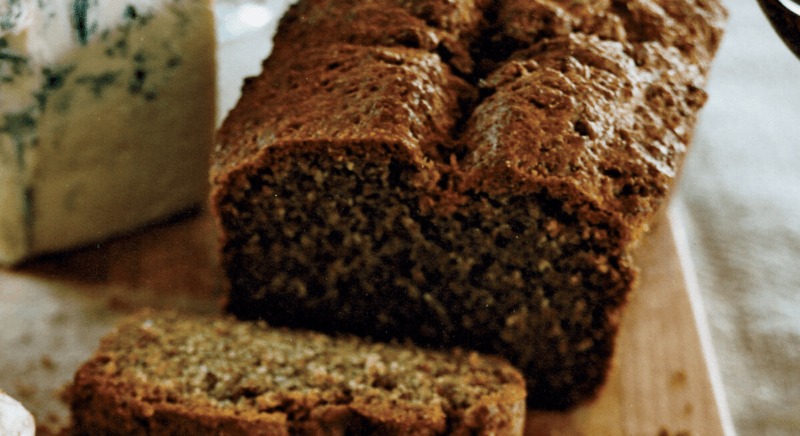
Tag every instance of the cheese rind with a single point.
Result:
(107, 115)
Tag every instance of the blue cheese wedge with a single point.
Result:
(107, 116)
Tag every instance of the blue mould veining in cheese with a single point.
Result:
(107, 113)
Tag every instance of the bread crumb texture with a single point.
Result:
(166, 374)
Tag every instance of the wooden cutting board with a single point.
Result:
(54, 311)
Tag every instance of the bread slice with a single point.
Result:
(171, 374)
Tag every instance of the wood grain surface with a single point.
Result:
(54, 311)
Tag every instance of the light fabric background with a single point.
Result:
(740, 194)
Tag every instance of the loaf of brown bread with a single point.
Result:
(169, 374)
(461, 173)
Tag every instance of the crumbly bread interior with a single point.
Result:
(159, 371)
(343, 246)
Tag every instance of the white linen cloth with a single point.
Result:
(741, 193)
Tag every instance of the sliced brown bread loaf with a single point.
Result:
(375, 188)
(170, 374)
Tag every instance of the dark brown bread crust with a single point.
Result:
(445, 28)
(168, 374)
(392, 102)
(492, 207)
(583, 118)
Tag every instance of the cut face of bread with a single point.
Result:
(343, 245)
(167, 374)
